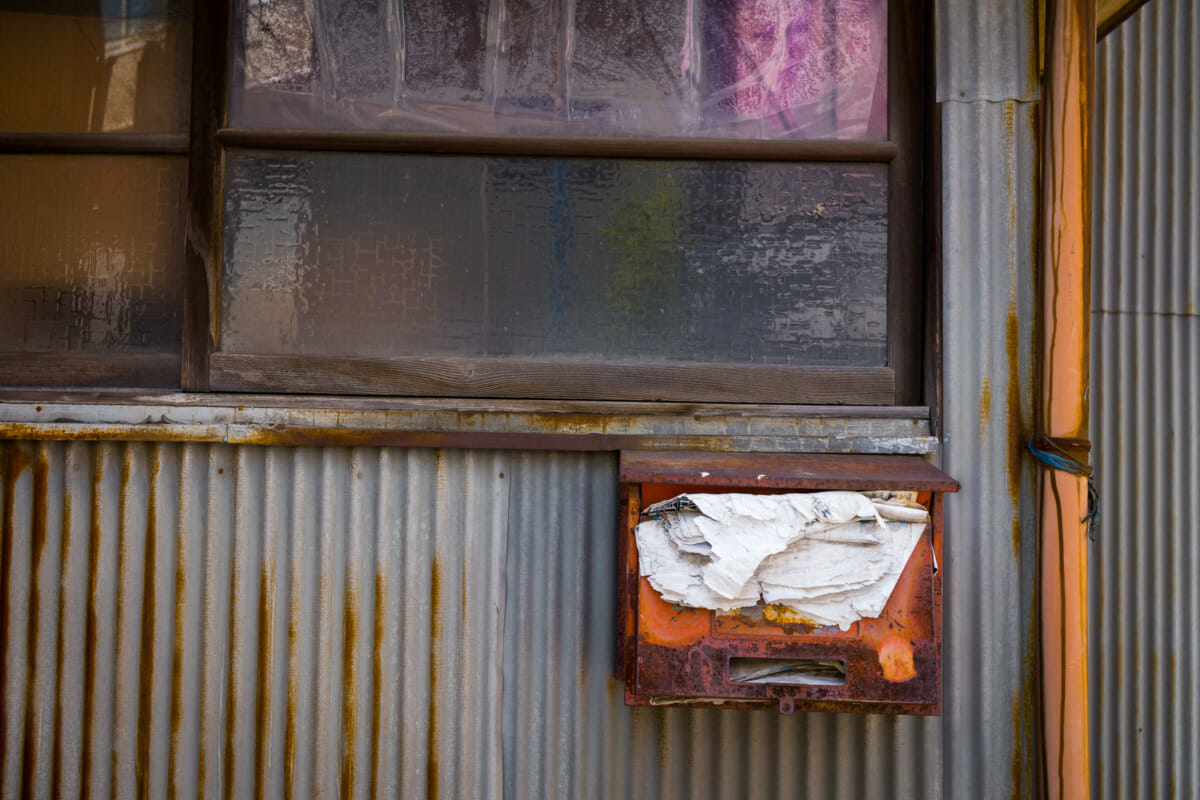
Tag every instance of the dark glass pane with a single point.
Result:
(757, 69)
(769, 263)
(91, 253)
(107, 66)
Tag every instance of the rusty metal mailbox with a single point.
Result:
(767, 655)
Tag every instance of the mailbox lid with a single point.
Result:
(784, 471)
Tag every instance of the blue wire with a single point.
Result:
(1055, 461)
(1065, 463)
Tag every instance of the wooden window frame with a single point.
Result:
(906, 380)
(154, 371)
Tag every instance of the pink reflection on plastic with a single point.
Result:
(796, 64)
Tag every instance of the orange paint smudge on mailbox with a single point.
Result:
(896, 659)
(666, 623)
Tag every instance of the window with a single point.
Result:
(687, 200)
(94, 110)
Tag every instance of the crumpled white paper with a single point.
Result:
(832, 557)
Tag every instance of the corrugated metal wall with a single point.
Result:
(989, 599)
(206, 618)
(987, 92)
(1146, 407)
(221, 620)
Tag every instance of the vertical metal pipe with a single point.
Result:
(1066, 282)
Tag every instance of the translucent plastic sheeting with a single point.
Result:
(113, 67)
(409, 255)
(91, 253)
(749, 69)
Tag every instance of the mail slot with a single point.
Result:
(859, 633)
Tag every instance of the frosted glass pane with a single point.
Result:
(756, 69)
(368, 255)
(111, 67)
(91, 253)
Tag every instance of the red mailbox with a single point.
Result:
(768, 656)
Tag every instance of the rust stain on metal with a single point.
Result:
(439, 471)
(350, 690)
(111, 432)
(233, 697)
(267, 655)
(41, 488)
(722, 430)
(381, 588)
(985, 408)
(497, 440)
(124, 602)
(17, 461)
(1015, 453)
(293, 679)
(146, 657)
(1024, 716)
(181, 580)
(462, 594)
(93, 622)
(64, 553)
(435, 612)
